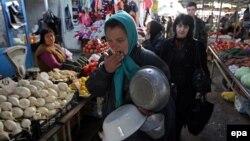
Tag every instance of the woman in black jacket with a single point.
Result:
(179, 53)
(155, 36)
(111, 79)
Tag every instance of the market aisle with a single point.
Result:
(224, 113)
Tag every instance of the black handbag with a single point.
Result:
(199, 115)
(201, 81)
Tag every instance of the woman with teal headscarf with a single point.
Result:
(111, 79)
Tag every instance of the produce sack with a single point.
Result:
(200, 115)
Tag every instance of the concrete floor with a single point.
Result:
(224, 114)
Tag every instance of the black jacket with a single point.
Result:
(182, 64)
(155, 44)
(100, 83)
(201, 32)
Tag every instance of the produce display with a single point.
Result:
(31, 100)
(95, 46)
(236, 56)
(79, 84)
(90, 67)
(59, 75)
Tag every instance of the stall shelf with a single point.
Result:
(233, 82)
(64, 125)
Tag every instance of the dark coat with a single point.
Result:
(181, 63)
(201, 32)
(100, 83)
(155, 44)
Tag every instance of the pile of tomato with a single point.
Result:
(91, 66)
(95, 46)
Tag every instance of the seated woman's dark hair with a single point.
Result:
(114, 23)
(185, 20)
(43, 33)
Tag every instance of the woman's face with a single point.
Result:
(117, 40)
(181, 30)
(49, 38)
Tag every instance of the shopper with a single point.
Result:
(199, 30)
(169, 30)
(155, 37)
(111, 79)
(179, 53)
(49, 55)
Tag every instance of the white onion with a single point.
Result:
(13, 100)
(26, 123)
(17, 112)
(32, 100)
(10, 125)
(17, 130)
(50, 106)
(6, 106)
(43, 93)
(4, 136)
(62, 86)
(32, 88)
(39, 84)
(3, 92)
(6, 115)
(52, 92)
(23, 91)
(55, 87)
(40, 102)
(23, 82)
(1, 126)
(24, 103)
(2, 98)
(37, 116)
(43, 110)
(62, 94)
(50, 99)
(29, 112)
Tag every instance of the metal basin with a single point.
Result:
(149, 89)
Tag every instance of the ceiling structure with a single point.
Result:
(210, 3)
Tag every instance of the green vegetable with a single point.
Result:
(245, 80)
(242, 71)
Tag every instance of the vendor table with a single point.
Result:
(65, 123)
(233, 82)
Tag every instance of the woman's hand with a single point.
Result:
(112, 62)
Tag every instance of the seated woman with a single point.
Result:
(49, 55)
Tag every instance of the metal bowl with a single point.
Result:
(149, 88)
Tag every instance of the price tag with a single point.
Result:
(8, 85)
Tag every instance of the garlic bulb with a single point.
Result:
(32, 100)
(40, 102)
(69, 97)
(17, 130)
(37, 116)
(6, 115)
(15, 95)
(62, 94)
(6, 106)
(50, 99)
(62, 86)
(23, 82)
(3, 98)
(48, 83)
(43, 110)
(39, 84)
(55, 87)
(52, 112)
(1, 126)
(24, 103)
(32, 88)
(10, 125)
(57, 104)
(4, 136)
(17, 112)
(29, 112)
(13, 100)
(43, 93)
(26, 123)
(50, 106)
(23, 91)
(52, 92)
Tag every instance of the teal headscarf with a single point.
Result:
(128, 67)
